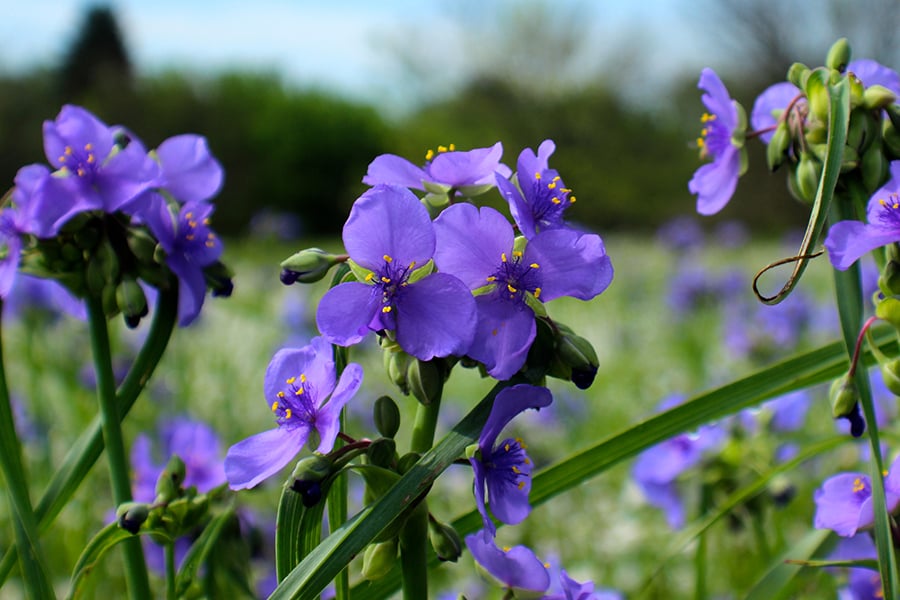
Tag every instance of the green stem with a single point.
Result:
(337, 516)
(700, 553)
(89, 446)
(170, 571)
(135, 566)
(425, 425)
(31, 562)
(414, 554)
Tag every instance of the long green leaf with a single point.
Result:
(200, 550)
(812, 368)
(774, 584)
(298, 529)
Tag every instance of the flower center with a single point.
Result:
(509, 462)
(889, 213)
(514, 278)
(295, 403)
(391, 278)
(440, 149)
(860, 486)
(82, 162)
(194, 235)
(549, 199)
(714, 137)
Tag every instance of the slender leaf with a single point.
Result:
(775, 583)
(298, 529)
(200, 550)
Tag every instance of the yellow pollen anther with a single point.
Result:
(511, 289)
(537, 175)
(91, 159)
(299, 392)
(429, 155)
(62, 158)
(192, 224)
(442, 148)
(386, 279)
(517, 253)
(546, 565)
(189, 215)
(387, 258)
(189, 237)
(858, 485)
(551, 186)
(206, 221)
(521, 443)
(302, 378)
(287, 414)
(527, 461)
(506, 447)
(81, 172)
(537, 293)
(701, 143)
(572, 200)
(707, 118)
(89, 146)
(290, 380)
(370, 276)
(882, 202)
(210, 244)
(412, 265)
(506, 548)
(521, 485)
(515, 469)
(492, 278)
(895, 205)
(535, 266)
(503, 257)
(452, 147)
(556, 201)
(275, 406)
(69, 151)
(386, 309)
(493, 332)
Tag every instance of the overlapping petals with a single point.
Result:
(301, 391)
(844, 502)
(515, 567)
(449, 168)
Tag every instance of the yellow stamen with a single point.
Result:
(521, 443)
(707, 118)
(210, 244)
(515, 469)
(571, 199)
(492, 278)
(69, 150)
(290, 380)
(189, 237)
(299, 392)
(506, 447)
(442, 148)
(882, 202)
(452, 147)
(429, 155)
(521, 485)
(189, 215)
(556, 201)
(517, 253)
(527, 461)
(551, 186)
(89, 146)
(537, 293)
(535, 266)
(537, 175)
(370, 276)
(274, 406)
(302, 378)
(386, 279)
(81, 172)
(91, 159)
(506, 548)
(493, 332)
(511, 289)
(386, 309)
(287, 414)
(503, 257)
(387, 258)
(280, 394)
(858, 485)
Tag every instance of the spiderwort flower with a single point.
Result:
(722, 140)
(187, 169)
(540, 199)
(389, 233)
(844, 502)
(505, 467)
(190, 245)
(94, 172)
(298, 383)
(572, 590)
(449, 168)
(769, 107)
(847, 241)
(515, 567)
(477, 245)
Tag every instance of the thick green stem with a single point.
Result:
(89, 446)
(170, 571)
(425, 426)
(31, 561)
(135, 566)
(414, 554)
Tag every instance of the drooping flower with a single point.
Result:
(505, 468)
(539, 198)
(515, 567)
(94, 172)
(722, 140)
(573, 590)
(448, 168)
(847, 241)
(844, 501)
(477, 245)
(190, 245)
(298, 385)
(656, 469)
(390, 234)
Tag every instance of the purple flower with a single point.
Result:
(656, 469)
(721, 140)
(448, 168)
(190, 245)
(847, 241)
(297, 385)
(478, 247)
(29, 294)
(681, 234)
(94, 173)
(389, 233)
(769, 107)
(187, 169)
(539, 198)
(572, 590)
(516, 567)
(844, 502)
(505, 467)
(871, 72)
(789, 411)
(862, 583)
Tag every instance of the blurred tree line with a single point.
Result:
(301, 154)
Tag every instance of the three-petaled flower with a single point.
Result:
(722, 140)
(298, 384)
(478, 246)
(844, 502)
(539, 198)
(390, 234)
(505, 468)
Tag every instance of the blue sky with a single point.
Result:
(338, 44)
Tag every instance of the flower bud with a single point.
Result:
(168, 485)
(858, 132)
(807, 177)
(307, 266)
(579, 354)
(889, 281)
(797, 74)
(425, 380)
(387, 416)
(857, 91)
(845, 404)
(888, 309)
(218, 279)
(108, 299)
(776, 151)
(838, 55)
(890, 137)
(816, 90)
(407, 461)
(873, 167)
(396, 365)
(382, 452)
(890, 372)
(379, 559)
(307, 478)
(131, 515)
(445, 540)
(878, 96)
(142, 244)
(131, 301)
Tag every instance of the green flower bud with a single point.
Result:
(877, 97)
(168, 485)
(396, 364)
(70, 253)
(857, 91)
(873, 167)
(890, 138)
(387, 416)
(838, 55)
(379, 559)
(816, 90)
(445, 540)
(108, 300)
(890, 372)
(844, 397)
(426, 382)
(435, 203)
(131, 515)
(142, 244)
(858, 130)
(308, 476)
(888, 309)
(218, 279)
(382, 452)
(797, 74)
(308, 266)
(889, 280)
(131, 301)
(807, 176)
(579, 354)
(776, 151)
